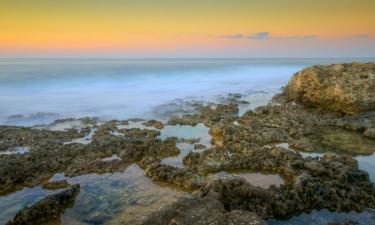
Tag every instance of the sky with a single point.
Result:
(193, 28)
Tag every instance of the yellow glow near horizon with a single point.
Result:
(167, 24)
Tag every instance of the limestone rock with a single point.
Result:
(347, 88)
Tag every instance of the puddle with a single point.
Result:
(116, 198)
(83, 140)
(311, 154)
(177, 161)
(16, 150)
(200, 131)
(324, 217)
(342, 141)
(260, 179)
(367, 163)
(235, 123)
(187, 132)
(111, 198)
(339, 141)
(284, 145)
(112, 158)
(14, 202)
(116, 133)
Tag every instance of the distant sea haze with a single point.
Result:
(38, 91)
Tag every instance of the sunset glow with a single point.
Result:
(187, 29)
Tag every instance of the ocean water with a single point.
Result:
(38, 91)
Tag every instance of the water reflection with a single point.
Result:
(338, 140)
(324, 217)
(117, 198)
(367, 163)
(12, 203)
(262, 180)
(16, 150)
(200, 132)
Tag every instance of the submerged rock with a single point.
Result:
(196, 210)
(48, 209)
(347, 88)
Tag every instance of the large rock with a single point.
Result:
(48, 210)
(347, 88)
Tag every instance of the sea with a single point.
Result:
(39, 91)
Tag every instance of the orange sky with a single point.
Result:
(212, 28)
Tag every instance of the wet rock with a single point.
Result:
(315, 167)
(238, 217)
(369, 132)
(343, 141)
(196, 210)
(154, 123)
(49, 154)
(190, 211)
(53, 185)
(208, 115)
(48, 209)
(199, 146)
(346, 222)
(302, 144)
(189, 141)
(347, 88)
(184, 178)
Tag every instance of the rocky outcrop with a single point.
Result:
(266, 139)
(154, 123)
(347, 88)
(50, 155)
(48, 209)
(196, 210)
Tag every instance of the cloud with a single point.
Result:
(360, 36)
(232, 36)
(258, 36)
(266, 35)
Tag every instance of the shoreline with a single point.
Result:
(238, 142)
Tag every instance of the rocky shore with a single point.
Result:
(322, 109)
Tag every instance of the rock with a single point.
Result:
(188, 140)
(50, 154)
(302, 144)
(154, 123)
(190, 211)
(196, 210)
(199, 146)
(48, 209)
(333, 182)
(238, 217)
(315, 167)
(53, 185)
(346, 222)
(369, 132)
(347, 88)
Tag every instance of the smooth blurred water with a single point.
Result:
(34, 91)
